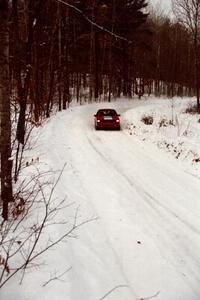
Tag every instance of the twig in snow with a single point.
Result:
(56, 277)
(115, 288)
(151, 297)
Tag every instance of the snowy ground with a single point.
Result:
(142, 187)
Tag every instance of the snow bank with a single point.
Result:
(172, 130)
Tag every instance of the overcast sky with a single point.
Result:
(165, 4)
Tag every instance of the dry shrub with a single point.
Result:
(163, 122)
(192, 109)
(147, 120)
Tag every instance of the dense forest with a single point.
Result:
(54, 51)
(95, 49)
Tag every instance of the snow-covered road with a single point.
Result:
(147, 236)
(145, 241)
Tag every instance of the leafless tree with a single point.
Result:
(188, 13)
(5, 125)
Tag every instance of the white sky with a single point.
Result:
(165, 4)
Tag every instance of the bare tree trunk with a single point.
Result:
(50, 93)
(5, 125)
(125, 69)
(59, 60)
(77, 87)
(66, 96)
(96, 65)
(91, 80)
(110, 82)
(197, 71)
(34, 10)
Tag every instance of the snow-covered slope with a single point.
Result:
(145, 239)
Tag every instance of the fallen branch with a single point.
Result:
(57, 277)
(115, 288)
(151, 297)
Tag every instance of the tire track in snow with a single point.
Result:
(146, 195)
(115, 255)
(161, 210)
(167, 217)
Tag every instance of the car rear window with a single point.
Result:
(107, 112)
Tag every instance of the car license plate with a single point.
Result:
(107, 118)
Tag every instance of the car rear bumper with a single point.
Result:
(108, 125)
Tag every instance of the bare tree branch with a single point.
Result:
(94, 23)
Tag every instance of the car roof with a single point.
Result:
(106, 109)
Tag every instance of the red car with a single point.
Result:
(107, 118)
